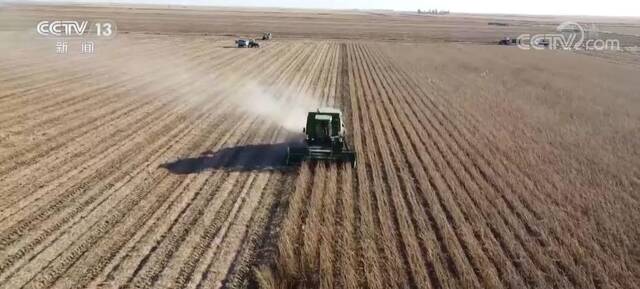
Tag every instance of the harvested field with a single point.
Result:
(158, 163)
(146, 178)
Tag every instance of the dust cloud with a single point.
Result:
(128, 58)
(287, 110)
(282, 105)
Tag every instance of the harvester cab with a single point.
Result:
(325, 139)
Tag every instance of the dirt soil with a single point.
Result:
(158, 160)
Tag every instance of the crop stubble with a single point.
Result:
(435, 201)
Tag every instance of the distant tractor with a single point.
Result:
(505, 41)
(247, 43)
(509, 41)
(266, 36)
(325, 139)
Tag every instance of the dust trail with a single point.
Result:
(283, 106)
(286, 110)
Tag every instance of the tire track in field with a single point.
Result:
(289, 239)
(209, 224)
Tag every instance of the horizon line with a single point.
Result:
(175, 5)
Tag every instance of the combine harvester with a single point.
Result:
(325, 139)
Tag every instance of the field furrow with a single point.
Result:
(161, 161)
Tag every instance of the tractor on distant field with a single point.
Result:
(325, 139)
(509, 41)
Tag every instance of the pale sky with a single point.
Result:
(544, 7)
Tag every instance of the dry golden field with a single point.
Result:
(157, 162)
